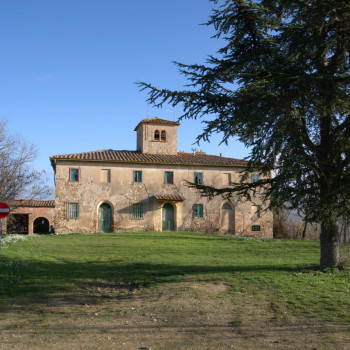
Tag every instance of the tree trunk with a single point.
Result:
(329, 240)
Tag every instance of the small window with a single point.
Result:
(163, 135)
(156, 135)
(257, 210)
(74, 175)
(197, 210)
(255, 177)
(105, 175)
(137, 176)
(198, 178)
(169, 177)
(137, 211)
(72, 210)
(227, 178)
(256, 228)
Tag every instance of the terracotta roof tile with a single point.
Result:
(156, 121)
(32, 203)
(182, 158)
(169, 197)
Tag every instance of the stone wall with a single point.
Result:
(121, 192)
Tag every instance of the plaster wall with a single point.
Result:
(90, 192)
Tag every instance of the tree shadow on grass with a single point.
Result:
(39, 280)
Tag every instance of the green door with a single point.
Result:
(104, 218)
(168, 217)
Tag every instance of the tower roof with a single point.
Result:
(157, 121)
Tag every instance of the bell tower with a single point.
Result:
(157, 136)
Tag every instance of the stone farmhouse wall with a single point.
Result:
(121, 191)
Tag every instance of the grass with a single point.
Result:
(274, 270)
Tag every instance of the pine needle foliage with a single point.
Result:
(280, 84)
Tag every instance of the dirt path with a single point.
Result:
(175, 316)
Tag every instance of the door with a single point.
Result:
(168, 217)
(105, 218)
(227, 218)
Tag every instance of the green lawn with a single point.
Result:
(280, 271)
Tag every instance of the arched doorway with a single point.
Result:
(41, 225)
(227, 222)
(168, 222)
(104, 218)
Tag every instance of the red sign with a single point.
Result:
(4, 210)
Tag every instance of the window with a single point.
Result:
(137, 211)
(72, 210)
(163, 135)
(137, 176)
(198, 178)
(74, 175)
(197, 210)
(256, 228)
(169, 177)
(227, 178)
(255, 177)
(156, 135)
(257, 209)
(105, 175)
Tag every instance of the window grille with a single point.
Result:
(137, 211)
(72, 210)
(256, 228)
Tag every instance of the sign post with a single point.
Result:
(4, 211)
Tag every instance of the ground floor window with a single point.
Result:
(198, 210)
(137, 211)
(72, 210)
(256, 228)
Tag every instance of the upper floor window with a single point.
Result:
(227, 179)
(197, 210)
(198, 178)
(72, 210)
(255, 177)
(163, 135)
(257, 210)
(105, 175)
(156, 135)
(73, 174)
(169, 177)
(137, 176)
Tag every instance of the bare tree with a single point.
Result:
(17, 179)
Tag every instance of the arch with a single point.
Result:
(156, 135)
(163, 135)
(41, 225)
(168, 217)
(105, 217)
(227, 218)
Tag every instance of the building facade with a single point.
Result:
(147, 189)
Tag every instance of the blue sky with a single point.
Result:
(68, 70)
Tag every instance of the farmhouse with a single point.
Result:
(146, 189)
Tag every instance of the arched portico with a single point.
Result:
(41, 225)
